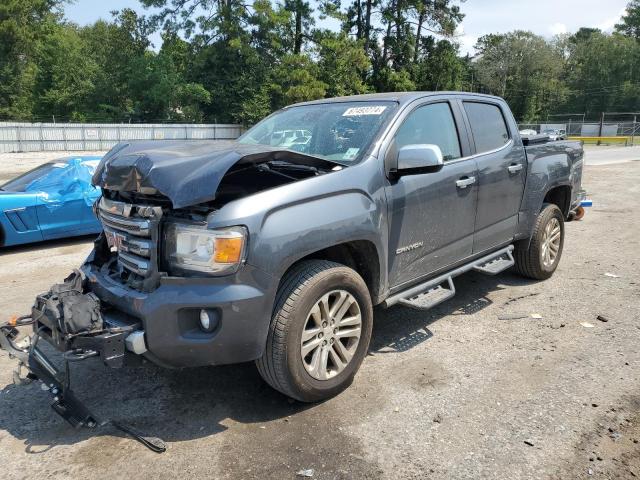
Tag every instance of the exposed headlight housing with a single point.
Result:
(194, 248)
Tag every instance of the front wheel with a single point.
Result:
(319, 333)
(539, 257)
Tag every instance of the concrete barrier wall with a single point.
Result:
(39, 137)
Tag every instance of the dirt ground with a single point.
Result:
(455, 392)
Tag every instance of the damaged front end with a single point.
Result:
(148, 187)
(130, 301)
(73, 321)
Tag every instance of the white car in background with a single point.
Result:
(555, 134)
(527, 132)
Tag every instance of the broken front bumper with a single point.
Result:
(109, 345)
(169, 316)
(72, 321)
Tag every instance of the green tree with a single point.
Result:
(439, 66)
(65, 79)
(602, 73)
(342, 63)
(296, 80)
(117, 48)
(630, 24)
(24, 24)
(302, 20)
(524, 69)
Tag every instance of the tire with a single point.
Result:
(297, 310)
(529, 254)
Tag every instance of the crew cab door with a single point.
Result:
(431, 215)
(502, 166)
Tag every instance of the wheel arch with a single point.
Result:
(359, 255)
(559, 195)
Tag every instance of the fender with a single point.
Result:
(290, 222)
(18, 219)
(549, 166)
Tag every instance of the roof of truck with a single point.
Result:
(400, 97)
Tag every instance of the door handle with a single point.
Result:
(464, 182)
(516, 167)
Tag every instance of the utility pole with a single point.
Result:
(601, 125)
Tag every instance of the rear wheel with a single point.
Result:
(319, 333)
(539, 257)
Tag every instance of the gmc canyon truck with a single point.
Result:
(276, 247)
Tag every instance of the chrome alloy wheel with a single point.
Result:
(331, 334)
(550, 242)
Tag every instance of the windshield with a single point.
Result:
(341, 132)
(36, 179)
(21, 183)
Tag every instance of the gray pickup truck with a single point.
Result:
(276, 247)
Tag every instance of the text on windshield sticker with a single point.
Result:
(357, 111)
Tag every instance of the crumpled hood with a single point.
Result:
(188, 172)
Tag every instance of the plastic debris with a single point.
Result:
(587, 324)
(615, 436)
(513, 316)
(602, 318)
(307, 472)
(537, 316)
(528, 442)
(611, 275)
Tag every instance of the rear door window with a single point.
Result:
(487, 125)
(431, 124)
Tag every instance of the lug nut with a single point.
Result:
(320, 335)
(331, 341)
(335, 331)
(324, 324)
(324, 343)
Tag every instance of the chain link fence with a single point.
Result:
(608, 132)
(40, 137)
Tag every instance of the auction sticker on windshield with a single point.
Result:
(350, 154)
(357, 111)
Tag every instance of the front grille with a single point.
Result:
(132, 232)
(133, 227)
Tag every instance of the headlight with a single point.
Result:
(195, 248)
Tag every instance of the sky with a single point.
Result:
(544, 17)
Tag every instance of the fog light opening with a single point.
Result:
(208, 320)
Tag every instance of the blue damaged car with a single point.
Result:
(54, 200)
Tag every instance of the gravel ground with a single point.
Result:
(455, 392)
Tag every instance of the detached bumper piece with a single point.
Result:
(72, 322)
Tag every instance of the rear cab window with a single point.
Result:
(488, 126)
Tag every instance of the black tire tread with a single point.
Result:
(527, 253)
(271, 365)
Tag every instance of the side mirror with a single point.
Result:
(421, 158)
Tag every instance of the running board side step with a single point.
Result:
(497, 264)
(432, 292)
(431, 297)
